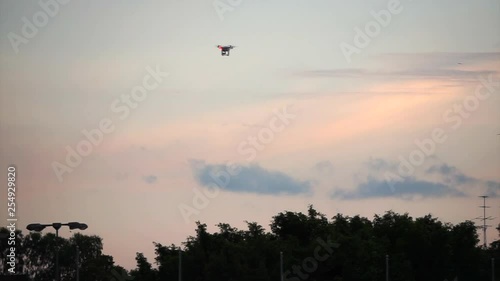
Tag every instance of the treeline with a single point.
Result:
(311, 246)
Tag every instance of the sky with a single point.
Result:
(125, 116)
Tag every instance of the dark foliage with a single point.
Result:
(313, 248)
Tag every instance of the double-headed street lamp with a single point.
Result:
(72, 225)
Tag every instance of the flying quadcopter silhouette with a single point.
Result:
(225, 49)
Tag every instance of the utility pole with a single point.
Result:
(484, 219)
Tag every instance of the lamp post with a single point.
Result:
(56, 225)
(281, 266)
(387, 267)
(492, 269)
(180, 264)
(77, 263)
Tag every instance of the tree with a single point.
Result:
(419, 249)
(36, 255)
(144, 270)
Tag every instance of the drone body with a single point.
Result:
(225, 49)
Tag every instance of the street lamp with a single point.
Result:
(56, 225)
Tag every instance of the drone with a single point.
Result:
(225, 49)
